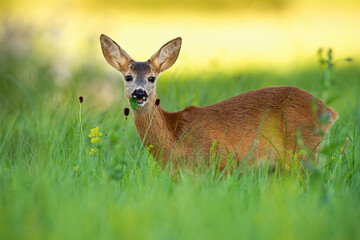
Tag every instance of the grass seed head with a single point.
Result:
(126, 112)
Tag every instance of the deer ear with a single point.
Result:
(166, 56)
(113, 53)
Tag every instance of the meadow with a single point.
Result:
(58, 183)
(52, 188)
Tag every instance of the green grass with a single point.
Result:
(51, 188)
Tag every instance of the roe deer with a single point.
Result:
(271, 122)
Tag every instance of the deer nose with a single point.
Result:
(139, 94)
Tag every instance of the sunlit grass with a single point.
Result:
(51, 188)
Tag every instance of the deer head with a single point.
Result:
(140, 77)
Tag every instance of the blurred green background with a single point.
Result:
(51, 188)
(219, 37)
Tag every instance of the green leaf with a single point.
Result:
(133, 103)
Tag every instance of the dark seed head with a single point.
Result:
(157, 102)
(126, 111)
(81, 99)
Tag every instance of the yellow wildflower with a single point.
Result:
(95, 133)
(95, 140)
(93, 151)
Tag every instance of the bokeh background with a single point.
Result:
(218, 36)
(230, 35)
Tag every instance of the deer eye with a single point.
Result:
(151, 79)
(128, 78)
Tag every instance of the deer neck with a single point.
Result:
(151, 125)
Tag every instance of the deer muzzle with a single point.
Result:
(140, 95)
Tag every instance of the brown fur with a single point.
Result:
(269, 123)
(261, 123)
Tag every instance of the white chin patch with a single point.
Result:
(141, 102)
